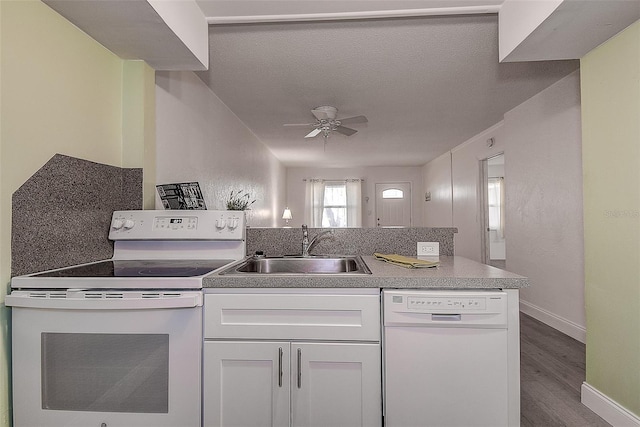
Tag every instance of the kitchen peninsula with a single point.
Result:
(286, 340)
(454, 272)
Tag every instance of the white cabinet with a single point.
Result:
(336, 385)
(312, 384)
(266, 373)
(246, 384)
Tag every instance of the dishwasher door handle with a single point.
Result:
(446, 317)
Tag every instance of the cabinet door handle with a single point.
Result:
(280, 367)
(299, 368)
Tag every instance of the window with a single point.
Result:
(334, 213)
(495, 195)
(333, 203)
(393, 193)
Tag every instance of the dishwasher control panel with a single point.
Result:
(455, 307)
(428, 304)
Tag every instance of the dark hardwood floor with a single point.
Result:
(552, 369)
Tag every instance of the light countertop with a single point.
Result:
(454, 272)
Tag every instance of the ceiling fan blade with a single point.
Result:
(313, 133)
(320, 114)
(345, 131)
(299, 124)
(352, 120)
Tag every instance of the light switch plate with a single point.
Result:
(428, 249)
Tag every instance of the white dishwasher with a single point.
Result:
(445, 358)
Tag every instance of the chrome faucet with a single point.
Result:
(306, 244)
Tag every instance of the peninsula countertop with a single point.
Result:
(454, 272)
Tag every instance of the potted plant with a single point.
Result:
(240, 201)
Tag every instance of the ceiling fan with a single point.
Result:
(326, 122)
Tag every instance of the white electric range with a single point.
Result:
(118, 342)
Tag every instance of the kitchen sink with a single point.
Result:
(301, 265)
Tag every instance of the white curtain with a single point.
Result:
(496, 196)
(315, 199)
(314, 202)
(503, 207)
(354, 202)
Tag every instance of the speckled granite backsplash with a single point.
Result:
(349, 241)
(61, 215)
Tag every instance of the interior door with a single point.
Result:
(393, 204)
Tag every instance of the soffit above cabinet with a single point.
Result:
(560, 29)
(168, 35)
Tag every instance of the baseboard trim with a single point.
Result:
(606, 408)
(565, 326)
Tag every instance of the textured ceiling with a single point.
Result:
(426, 84)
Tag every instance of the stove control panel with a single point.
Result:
(177, 225)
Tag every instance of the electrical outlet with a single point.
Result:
(428, 249)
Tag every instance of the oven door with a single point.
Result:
(106, 358)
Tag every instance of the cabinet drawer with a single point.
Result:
(292, 316)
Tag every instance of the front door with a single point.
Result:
(393, 204)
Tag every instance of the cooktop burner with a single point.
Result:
(140, 268)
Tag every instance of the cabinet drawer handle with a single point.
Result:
(299, 368)
(280, 367)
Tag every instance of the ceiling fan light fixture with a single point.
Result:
(325, 112)
(326, 123)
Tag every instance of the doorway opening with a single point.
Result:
(493, 211)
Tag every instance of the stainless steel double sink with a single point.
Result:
(300, 265)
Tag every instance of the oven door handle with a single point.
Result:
(106, 302)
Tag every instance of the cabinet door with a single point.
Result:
(246, 384)
(336, 384)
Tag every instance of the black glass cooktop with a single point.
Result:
(145, 268)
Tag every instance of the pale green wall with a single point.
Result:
(61, 92)
(610, 85)
(139, 124)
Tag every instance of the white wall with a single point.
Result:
(545, 239)
(438, 212)
(541, 141)
(371, 175)
(200, 139)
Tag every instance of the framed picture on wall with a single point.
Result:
(186, 195)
